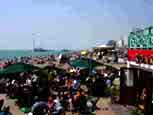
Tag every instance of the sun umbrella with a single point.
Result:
(84, 63)
(18, 68)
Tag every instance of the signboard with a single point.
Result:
(141, 39)
(141, 56)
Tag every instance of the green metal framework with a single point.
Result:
(142, 39)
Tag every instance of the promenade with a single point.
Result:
(105, 106)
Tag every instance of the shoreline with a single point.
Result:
(11, 54)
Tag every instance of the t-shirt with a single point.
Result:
(69, 83)
(76, 84)
(108, 82)
(30, 113)
(28, 82)
(13, 81)
(50, 104)
(57, 105)
(89, 104)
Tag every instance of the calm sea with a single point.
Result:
(19, 53)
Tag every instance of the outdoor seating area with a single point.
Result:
(54, 91)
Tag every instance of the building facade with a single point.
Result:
(137, 77)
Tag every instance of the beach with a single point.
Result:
(57, 76)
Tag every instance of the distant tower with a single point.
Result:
(120, 42)
(33, 41)
(125, 41)
(33, 44)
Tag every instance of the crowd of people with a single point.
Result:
(54, 91)
(28, 60)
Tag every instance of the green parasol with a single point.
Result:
(18, 68)
(84, 63)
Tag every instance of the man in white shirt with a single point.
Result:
(58, 106)
(28, 81)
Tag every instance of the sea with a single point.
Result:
(9, 54)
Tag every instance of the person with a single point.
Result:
(70, 103)
(30, 113)
(78, 71)
(57, 103)
(13, 81)
(58, 107)
(39, 108)
(108, 82)
(89, 106)
(76, 84)
(34, 78)
(6, 111)
(28, 81)
(50, 103)
(76, 99)
(63, 102)
(1, 103)
(144, 94)
(82, 102)
(143, 97)
(68, 83)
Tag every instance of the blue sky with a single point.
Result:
(72, 24)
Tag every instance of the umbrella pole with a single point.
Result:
(90, 67)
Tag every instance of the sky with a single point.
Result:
(72, 24)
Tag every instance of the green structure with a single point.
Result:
(141, 39)
(84, 63)
(18, 68)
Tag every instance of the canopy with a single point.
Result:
(84, 63)
(18, 68)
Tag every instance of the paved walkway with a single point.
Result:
(11, 103)
(110, 109)
(104, 104)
